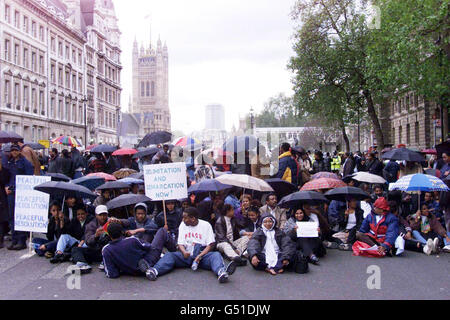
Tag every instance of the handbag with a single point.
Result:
(300, 264)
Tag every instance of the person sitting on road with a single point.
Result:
(253, 222)
(174, 217)
(228, 240)
(270, 249)
(195, 244)
(312, 248)
(326, 234)
(140, 225)
(427, 229)
(271, 207)
(350, 220)
(95, 238)
(130, 255)
(75, 236)
(379, 228)
(241, 213)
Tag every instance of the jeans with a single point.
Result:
(162, 239)
(66, 241)
(49, 245)
(210, 261)
(419, 236)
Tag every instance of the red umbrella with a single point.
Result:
(325, 174)
(323, 183)
(107, 177)
(429, 151)
(124, 152)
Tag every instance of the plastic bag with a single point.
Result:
(357, 250)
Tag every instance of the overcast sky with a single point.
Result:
(231, 52)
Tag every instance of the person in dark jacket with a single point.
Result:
(4, 214)
(111, 164)
(350, 220)
(174, 217)
(95, 238)
(373, 165)
(319, 164)
(16, 165)
(391, 169)
(54, 162)
(253, 222)
(228, 240)
(312, 248)
(270, 249)
(74, 236)
(79, 163)
(67, 164)
(349, 164)
(130, 255)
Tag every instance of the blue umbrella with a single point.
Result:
(208, 185)
(104, 148)
(295, 199)
(126, 200)
(58, 177)
(66, 189)
(90, 182)
(130, 181)
(113, 185)
(419, 182)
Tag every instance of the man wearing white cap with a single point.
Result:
(95, 238)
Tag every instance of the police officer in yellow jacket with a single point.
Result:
(335, 162)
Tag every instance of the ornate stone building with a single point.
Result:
(150, 98)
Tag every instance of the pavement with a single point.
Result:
(339, 276)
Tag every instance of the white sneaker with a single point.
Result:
(436, 245)
(427, 249)
(430, 243)
(446, 248)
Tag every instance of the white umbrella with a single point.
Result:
(368, 177)
(245, 181)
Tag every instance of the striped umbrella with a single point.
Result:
(419, 182)
(323, 183)
(67, 141)
(325, 174)
(185, 141)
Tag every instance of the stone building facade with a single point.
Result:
(44, 71)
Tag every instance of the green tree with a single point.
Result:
(331, 79)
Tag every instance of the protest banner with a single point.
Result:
(307, 229)
(31, 209)
(165, 181)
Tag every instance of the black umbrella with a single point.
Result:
(345, 193)
(104, 148)
(281, 187)
(403, 154)
(156, 137)
(147, 152)
(6, 136)
(294, 199)
(443, 148)
(126, 200)
(299, 149)
(58, 177)
(239, 144)
(208, 185)
(66, 189)
(90, 182)
(113, 185)
(35, 145)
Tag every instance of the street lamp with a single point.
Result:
(252, 120)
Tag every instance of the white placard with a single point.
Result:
(165, 181)
(31, 209)
(307, 230)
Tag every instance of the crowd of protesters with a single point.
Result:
(223, 230)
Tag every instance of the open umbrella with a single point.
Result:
(107, 177)
(104, 148)
(35, 145)
(185, 141)
(443, 148)
(123, 173)
(138, 175)
(281, 187)
(403, 154)
(322, 183)
(149, 152)
(245, 181)
(208, 185)
(126, 200)
(66, 189)
(58, 177)
(6, 136)
(299, 150)
(90, 182)
(368, 177)
(429, 151)
(124, 152)
(66, 141)
(294, 199)
(325, 174)
(156, 137)
(239, 144)
(345, 193)
(113, 185)
(90, 147)
(419, 182)
(131, 181)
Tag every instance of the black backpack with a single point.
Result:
(300, 264)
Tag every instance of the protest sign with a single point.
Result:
(307, 230)
(31, 208)
(165, 181)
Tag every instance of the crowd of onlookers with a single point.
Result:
(223, 230)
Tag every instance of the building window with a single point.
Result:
(148, 89)
(153, 88)
(7, 13)
(408, 134)
(67, 53)
(41, 65)
(67, 80)
(60, 49)
(16, 95)
(60, 107)
(17, 19)
(142, 88)
(67, 111)
(74, 82)
(400, 134)
(16, 54)
(25, 24)
(33, 100)
(25, 98)
(60, 76)
(80, 114)
(53, 44)
(52, 108)
(33, 61)
(7, 50)
(6, 93)
(416, 133)
(41, 103)
(74, 113)
(41, 33)
(25, 58)
(33, 29)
